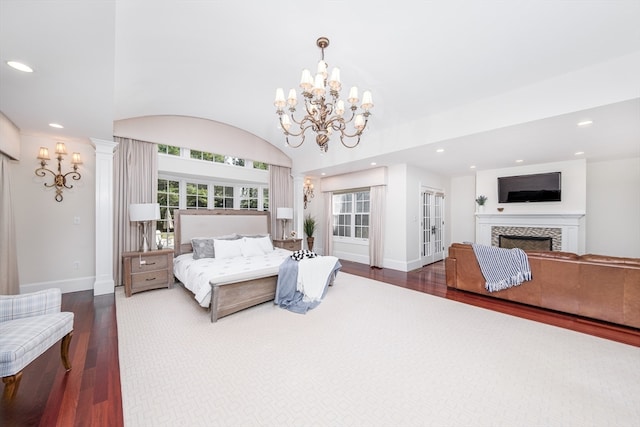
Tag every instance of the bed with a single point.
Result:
(230, 284)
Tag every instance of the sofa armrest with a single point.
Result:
(451, 276)
(28, 305)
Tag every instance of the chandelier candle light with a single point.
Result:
(59, 179)
(321, 116)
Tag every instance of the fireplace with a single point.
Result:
(566, 230)
(531, 243)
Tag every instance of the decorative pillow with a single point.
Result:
(227, 248)
(202, 247)
(251, 247)
(265, 243)
(298, 255)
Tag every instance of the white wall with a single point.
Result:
(402, 221)
(49, 243)
(611, 202)
(201, 134)
(461, 208)
(574, 188)
(613, 208)
(9, 138)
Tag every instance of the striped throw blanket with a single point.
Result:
(502, 268)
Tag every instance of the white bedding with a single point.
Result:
(196, 275)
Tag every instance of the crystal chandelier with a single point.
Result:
(321, 115)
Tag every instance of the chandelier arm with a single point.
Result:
(41, 172)
(342, 135)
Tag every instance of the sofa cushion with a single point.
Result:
(22, 340)
(611, 260)
(554, 255)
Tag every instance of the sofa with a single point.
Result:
(594, 286)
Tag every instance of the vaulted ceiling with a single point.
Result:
(488, 82)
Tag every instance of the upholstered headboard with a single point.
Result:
(190, 223)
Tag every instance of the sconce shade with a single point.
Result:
(43, 154)
(284, 213)
(144, 211)
(60, 148)
(75, 159)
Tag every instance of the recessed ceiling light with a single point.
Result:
(56, 125)
(585, 123)
(519, 161)
(373, 163)
(440, 150)
(579, 153)
(472, 167)
(323, 173)
(20, 66)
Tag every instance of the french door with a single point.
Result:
(432, 226)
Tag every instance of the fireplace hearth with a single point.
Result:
(525, 243)
(566, 230)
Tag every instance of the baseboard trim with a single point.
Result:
(66, 285)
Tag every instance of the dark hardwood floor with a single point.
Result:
(89, 395)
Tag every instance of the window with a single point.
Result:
(261, 165)
(249, 198)
(169, 149)
(265, 199)
(168, 199)
(351, 215)
(201, 155)
(197, 196)
(222, 197)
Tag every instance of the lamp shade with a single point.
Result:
(284, 213)
(144, 211)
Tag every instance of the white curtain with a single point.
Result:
(135, 181)
(9, 283)
(280, 194)
(328, 223)
(377, 198)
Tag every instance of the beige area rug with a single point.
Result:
(371, 354)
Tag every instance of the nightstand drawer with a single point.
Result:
(289, 244)
(148, 263)
(151, 278)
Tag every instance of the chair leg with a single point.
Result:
(11, 384)
(64, 351)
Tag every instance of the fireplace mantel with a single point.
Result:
(571, 224)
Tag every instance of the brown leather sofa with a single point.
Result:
(595, 286)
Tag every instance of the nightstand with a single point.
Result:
(288, 244)
(147, 270)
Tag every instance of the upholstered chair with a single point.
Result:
(29, 325)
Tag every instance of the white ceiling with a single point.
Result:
(97, 61)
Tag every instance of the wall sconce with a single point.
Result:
(143, 213)
(284, 214)
(308, 192)
(59, 179)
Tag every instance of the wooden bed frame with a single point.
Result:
(226, 298)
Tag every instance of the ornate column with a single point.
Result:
(104, 283)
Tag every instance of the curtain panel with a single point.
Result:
(135, 181)
(9, 283)
(378, 200)
(280, 195)
(328, 224)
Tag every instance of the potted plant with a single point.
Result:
(309, 226)
(481, 200)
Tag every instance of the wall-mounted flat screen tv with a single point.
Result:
(540, 187)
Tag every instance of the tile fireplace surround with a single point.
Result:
(569, 226)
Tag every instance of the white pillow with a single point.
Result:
(251, 247)
(227, 248)
(265, 243)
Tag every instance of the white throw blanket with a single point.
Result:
(312, 276)
(502, 268)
